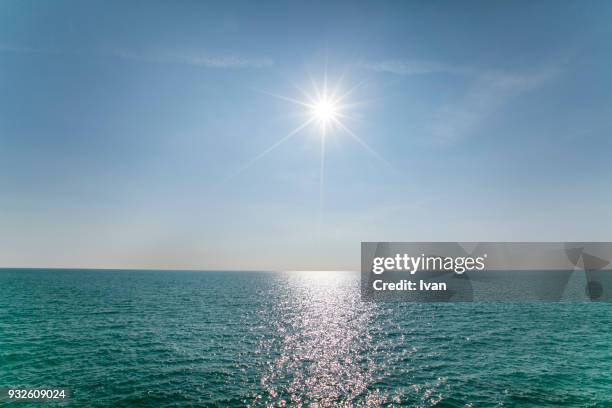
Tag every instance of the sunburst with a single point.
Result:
(327, 110)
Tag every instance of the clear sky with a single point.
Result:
(125, 129)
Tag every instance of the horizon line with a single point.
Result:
(172, 269)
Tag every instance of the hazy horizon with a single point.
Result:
(154, 135)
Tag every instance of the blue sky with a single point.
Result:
(123, 124)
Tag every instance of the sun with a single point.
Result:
(324, 112)
(326, 106)
(327, 109)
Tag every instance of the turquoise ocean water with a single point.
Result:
(173, 339)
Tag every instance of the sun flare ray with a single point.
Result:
(362, 143)
(327, 108)
(269, 149)
(287, 99)
(321, 180)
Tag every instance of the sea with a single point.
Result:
(125, 338)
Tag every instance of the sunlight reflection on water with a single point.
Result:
(325, 356)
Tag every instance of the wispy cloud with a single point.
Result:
(412, 67)
(29, 50)
(487, 92)
(486, 96)
(200, 59)
(197, 59)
